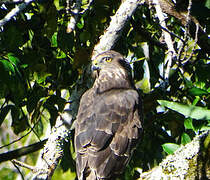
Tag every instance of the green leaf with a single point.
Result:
(80, 24)
(8, 67)
(197, 91)
(188, 123)
(12, 38)
(39, 127)
(185, 138)
(34, 97)
(13, 59)
(170, 148)
(84, 36)
(11, 80)
(51, 21)
(54, 42)
(60, 54)
(144, 85)
(58, 5)
(20, 125)
(194, 112)
(65, 40)
(15, 112)
(4, 111)
(207, 4)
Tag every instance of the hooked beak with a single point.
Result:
(95, 68)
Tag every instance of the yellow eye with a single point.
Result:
(108, 59)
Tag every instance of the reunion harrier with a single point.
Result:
(108, 123)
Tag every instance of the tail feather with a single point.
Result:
(91, 176)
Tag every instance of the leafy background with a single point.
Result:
(39, 59)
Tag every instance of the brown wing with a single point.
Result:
(107, 128)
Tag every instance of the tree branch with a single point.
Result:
(22, 151)
(188, 162)
(11, 1)
(19, 163)
(14, 12)
(169, 8)
(52, 152)
(171, 51)
(118, 21)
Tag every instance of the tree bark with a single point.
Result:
(190, 162)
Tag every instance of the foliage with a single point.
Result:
(39, 59)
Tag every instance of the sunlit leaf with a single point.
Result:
(61, 54)
(58, 5)
(170, 148)
(188, 123)
(207, 4)
(197, 91)
(8, 67)
(144, 85)
(80, 24)
(194, 112)
(185, 138)
(13, 58)
(54, 42)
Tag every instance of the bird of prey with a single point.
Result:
(108, 124)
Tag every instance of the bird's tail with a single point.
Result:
(91, 176)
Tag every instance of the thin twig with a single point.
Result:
(171, 54)
(21, 164)
(14, 12)
(171, 33)
(16, 140)
(195, 42)
(186, 34)
(187, 27)
(18, 169)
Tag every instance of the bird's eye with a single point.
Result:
(107, 59)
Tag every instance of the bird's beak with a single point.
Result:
(95, 68)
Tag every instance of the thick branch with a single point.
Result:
(118, 21)
(52, 152)
(188, 162)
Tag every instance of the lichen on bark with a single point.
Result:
(188, 162)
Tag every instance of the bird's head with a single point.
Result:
(111, 70)
(111, 60)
